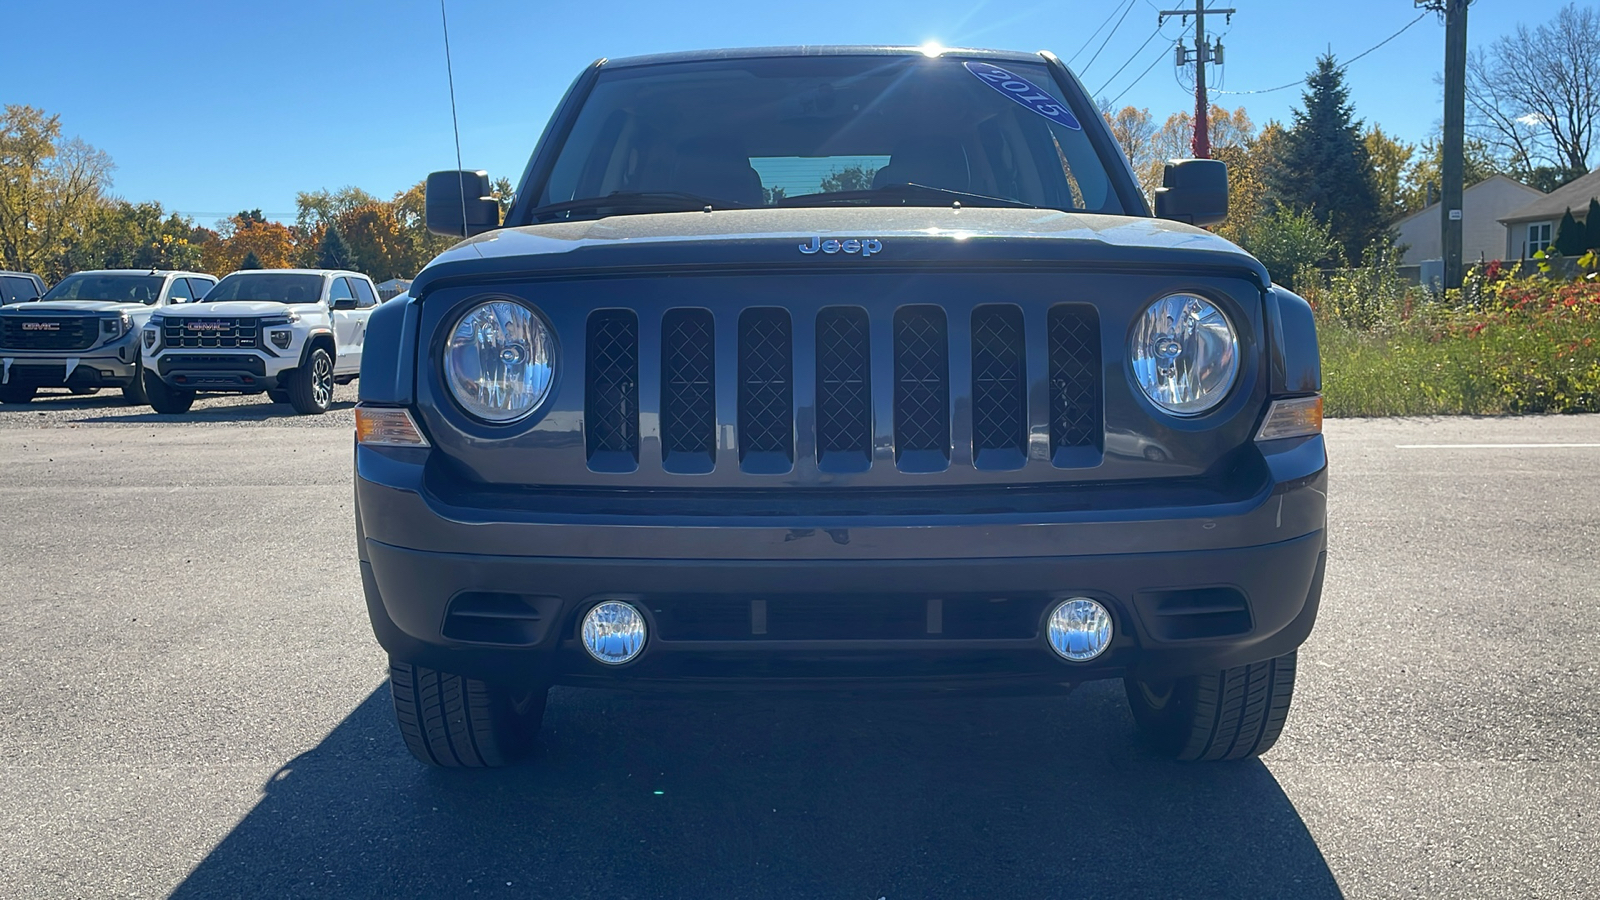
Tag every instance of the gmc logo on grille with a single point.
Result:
(208, 326)
(41, 326)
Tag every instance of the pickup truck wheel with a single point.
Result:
(17, 393)
(1229, 714)
(164, 399)
(311, 385)
(455, 722)
(135, 393)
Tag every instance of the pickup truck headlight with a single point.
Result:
(113, 327)
(1184, 354)
(500, 361)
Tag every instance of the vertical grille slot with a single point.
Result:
(688, 391)
(921, 389)
(766, 391)
(1076, 432)
(611, 391)
(844, 390)
(999, 388)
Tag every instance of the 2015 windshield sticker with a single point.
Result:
(1025, 92)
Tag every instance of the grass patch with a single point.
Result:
(1500, 346)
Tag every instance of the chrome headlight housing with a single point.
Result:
(113, 327)
(499, 361)
(1184, 354)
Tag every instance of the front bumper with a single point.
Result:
(925, 600)
(113, 365)
(218, 371)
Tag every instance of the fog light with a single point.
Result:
(282, 339)
(613, 632)
(1080, 629)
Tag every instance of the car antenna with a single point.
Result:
(455, 124)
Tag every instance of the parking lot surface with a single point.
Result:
(193, 704)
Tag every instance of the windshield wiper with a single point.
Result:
(635, 202)
(903, 191)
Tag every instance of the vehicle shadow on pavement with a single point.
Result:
(786, 796)
(263, 412)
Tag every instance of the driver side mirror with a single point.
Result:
(1194, 191)
(345, 303)
(460, 204)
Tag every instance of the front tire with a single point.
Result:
(1228, 714)
(135, 393)
(164, 399)
(311, 385)
(17, 393)
(455, 722)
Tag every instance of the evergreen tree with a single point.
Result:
(1591, 221)
(250, 261)
(334, 253)
(1325, 167)
(1571, 240)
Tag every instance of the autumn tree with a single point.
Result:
(1423, 177)
(272, 243)
(1135, 131)
(123, 235)
(50, 187)
(1250, 167)
(1227, 128)
(1326, 169)
(1391, 162)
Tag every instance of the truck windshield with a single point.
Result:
(826, 130)
(116, 288)
(275, 288)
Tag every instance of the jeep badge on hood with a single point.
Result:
(865, 247)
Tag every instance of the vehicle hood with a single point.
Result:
(86, 307)
(909, 236)
(235, 308)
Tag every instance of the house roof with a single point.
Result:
(1432, 210)
(1574, 196)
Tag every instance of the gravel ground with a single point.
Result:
(194, 705)
(57, 408)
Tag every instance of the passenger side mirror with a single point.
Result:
(1194, 191)
(345, 303)
(460, 204)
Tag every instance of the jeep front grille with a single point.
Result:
(611, 395)
(768, 429)
(844, 390)
(688, 391)
(48, 332)
(766, 391)
(212, 333)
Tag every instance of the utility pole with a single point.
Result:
(1202, 55)
(1455, 109)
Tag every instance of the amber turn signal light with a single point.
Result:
(387, 427)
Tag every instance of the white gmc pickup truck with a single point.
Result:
(291, 333)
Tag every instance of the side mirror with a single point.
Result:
(459, 204)
(1194, 191)
(345, 303)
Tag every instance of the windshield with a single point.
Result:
(276, 288)
(144, 289)
(815, 130)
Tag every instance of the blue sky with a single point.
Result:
(215, 107)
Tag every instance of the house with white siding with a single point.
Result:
(1532, 228)
(1483, 237)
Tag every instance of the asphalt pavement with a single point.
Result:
(191, 703)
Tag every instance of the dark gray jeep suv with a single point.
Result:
(839, 367)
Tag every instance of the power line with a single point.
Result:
(1147, 71)
(1130, 59)
(1346, 65)
(1096, 34)
(1109, 36)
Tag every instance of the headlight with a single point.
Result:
(500, 361)
(288, 318)
(1184, 354)
(116, 326)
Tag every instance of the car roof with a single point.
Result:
(163, 272)
(300, 272)
(818, 50)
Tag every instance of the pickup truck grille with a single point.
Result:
(921, 357)
(48, 332)
(212, 333)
